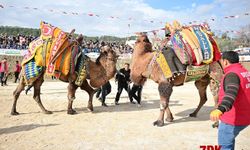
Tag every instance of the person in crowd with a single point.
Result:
(4, 72)
(135, 93)
(17, 71)
(234, 101)
(123, 79)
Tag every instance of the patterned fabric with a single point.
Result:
(31, 70)
(59, 37)
(180, 48)
(194, 43)
(205, 44)
(81, 69)
(194, 73)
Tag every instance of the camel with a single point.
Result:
(141, 59)
(99, 73)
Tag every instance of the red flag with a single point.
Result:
(91, 14)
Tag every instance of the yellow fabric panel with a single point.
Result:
(39, 57)
(164, 65)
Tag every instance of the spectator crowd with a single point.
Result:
(15, 42)
(22, 42)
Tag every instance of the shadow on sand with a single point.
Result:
(203, 115)
(127, 106)
(21, 128)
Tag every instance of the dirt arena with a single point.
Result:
(116, 127)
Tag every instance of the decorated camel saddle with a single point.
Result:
(189, 51)
(56, 53)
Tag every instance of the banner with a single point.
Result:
(14, 52)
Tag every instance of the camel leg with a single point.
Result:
(37, 92)
(170, 117)
(85, 86)
(16, 95)
(165, 90)
(215, 91)
(71, 96)
(201, 85)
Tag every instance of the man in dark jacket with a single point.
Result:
(123, 79)
(105, 90)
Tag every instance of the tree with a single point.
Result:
(244, 36)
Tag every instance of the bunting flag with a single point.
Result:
(2, 6)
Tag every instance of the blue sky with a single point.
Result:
(175, 4)
(141, 12)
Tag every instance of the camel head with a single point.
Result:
(140, 59)
(142, 45)
(107, 59)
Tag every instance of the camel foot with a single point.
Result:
(192, 115)
(158, 123)
(71, 112)
(169, 119)
(14, 113)
(216, 124)
(90, 108)
(48, 112)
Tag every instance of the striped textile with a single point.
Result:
(231, 88)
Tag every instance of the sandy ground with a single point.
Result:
(116, 127)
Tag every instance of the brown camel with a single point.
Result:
(142, 68)
(99, 73)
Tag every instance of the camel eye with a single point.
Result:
(146, 40)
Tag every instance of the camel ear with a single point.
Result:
(148, 47)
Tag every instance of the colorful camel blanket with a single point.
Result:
(194, 45)
(53, 51)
